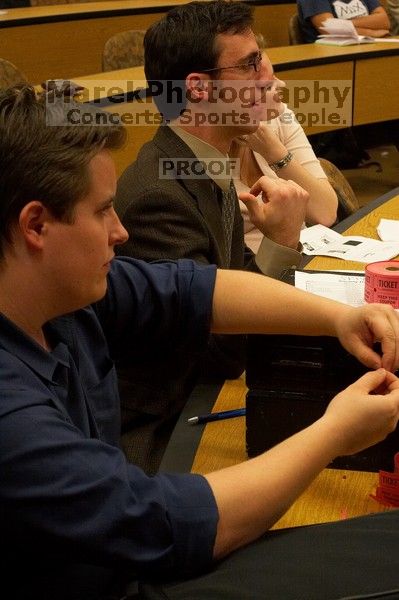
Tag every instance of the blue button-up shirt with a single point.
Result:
(66, 491)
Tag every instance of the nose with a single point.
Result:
(264, 76)
(264, 68)
(118, 234)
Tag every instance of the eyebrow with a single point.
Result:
(249, 56)
(106, 203)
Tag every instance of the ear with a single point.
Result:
(33, 223)
(197, 86)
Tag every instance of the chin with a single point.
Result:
(97, 294)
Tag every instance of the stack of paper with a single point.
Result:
(342, 32)
(322, 241)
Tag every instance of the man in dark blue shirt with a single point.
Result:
(77, 521)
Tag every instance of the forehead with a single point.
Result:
(233, 48)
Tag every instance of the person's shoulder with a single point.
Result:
(20, 387)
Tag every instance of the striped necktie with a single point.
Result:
(228, 210)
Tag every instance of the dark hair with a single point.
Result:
(42, 157)
(183, 41)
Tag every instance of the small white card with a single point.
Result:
(388, 230)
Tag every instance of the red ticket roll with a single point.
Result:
(382, 283)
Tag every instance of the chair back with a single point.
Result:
(295, 33)
(10, 75)
(347, 200)
(124, 50)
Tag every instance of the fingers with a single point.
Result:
(392, 381)
(253, 206)
(383, 321)
(267, 186)
(378, 323)
(242, 140)
(282, 211)
(390, 342)
(376, 382)
(264, 185)
(368, 357)
(370, 381)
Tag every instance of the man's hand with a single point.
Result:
(364, 413)
(358, 329)
(282, 211)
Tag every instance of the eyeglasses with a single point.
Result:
(255, 64)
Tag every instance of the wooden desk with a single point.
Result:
(334, 494)
(56, 41)
(371, 68)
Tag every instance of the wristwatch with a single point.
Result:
(283, 162)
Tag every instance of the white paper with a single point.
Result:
(342, 28)
(342, 287)
(339, 27)
(388, 230)
(335, 40)
(342, 32)
(322, 241)
(3, 12)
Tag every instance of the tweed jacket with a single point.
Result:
(175, 218)
(172, 219)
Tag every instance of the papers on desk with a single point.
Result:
(3, 12)
(343, 287)
(322, 241)
(342, 32)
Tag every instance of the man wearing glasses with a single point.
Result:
(177, 200)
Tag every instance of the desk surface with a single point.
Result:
(334, 494)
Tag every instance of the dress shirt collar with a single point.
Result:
(203, 151)
(22, 346)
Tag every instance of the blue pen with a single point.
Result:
(217, 416)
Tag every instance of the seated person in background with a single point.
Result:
(210, 51)
(368, 16)
(78, 522)
(258, 150)
(393, 13)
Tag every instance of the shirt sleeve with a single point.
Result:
(162, 306)
(77, 499)
(372, 4)
(310, 8)
(273, 260)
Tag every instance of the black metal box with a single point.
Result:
(291, 379)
